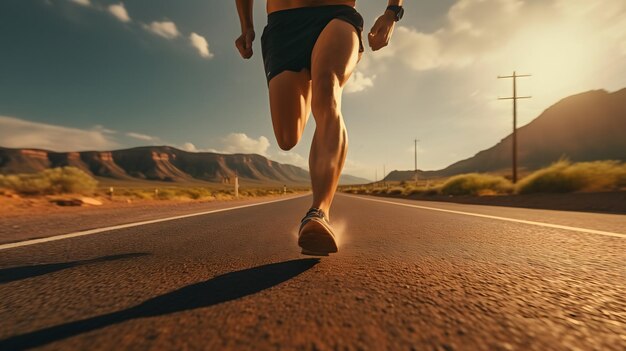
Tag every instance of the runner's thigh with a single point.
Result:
(335, 54)
(290, 103)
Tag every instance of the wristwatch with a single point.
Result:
(397, 10)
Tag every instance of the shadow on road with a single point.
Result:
(12, 274)
(223, 288)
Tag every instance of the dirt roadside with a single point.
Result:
(31, 218)
(602, 202)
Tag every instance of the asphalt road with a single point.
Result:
(405, 278)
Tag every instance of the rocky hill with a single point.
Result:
(161, 163)
(584, 127)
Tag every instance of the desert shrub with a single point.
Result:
(476, 184)
(395, 191)
(135, 193)
(563, 177)
(61, 180)
(26, 184)
(413, 190)
(432, 191)
(409, 190)
(252, 192)
(349, 190)
(223, 195)
(357, 190)
(70, 180)
(196, 193)
(166, 194)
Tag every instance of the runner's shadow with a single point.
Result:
(223, 288)
(12, 274)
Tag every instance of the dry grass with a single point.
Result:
(564, 177)
(187, 193)
(421, 190)
(395, 190)
(561, 177)
(71, 180)
(64, 180)
(476, 184)
(398, 189)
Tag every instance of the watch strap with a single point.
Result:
(397, 10)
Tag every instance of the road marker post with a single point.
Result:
(236, 186)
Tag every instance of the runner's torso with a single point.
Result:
(277, 5)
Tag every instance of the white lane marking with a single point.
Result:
(130, 225)
(542, 224)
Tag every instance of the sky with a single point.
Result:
(98, 75)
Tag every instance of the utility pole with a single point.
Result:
(384, 175)
(236, 185)
(514, 98)
(416, 140)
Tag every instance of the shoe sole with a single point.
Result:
(313, 253)
(317, 239)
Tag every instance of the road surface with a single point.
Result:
(409, 275)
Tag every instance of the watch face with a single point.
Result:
(400, 14)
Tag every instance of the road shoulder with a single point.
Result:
(37, 225)
(592, 221)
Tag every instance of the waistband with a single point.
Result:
(308, 9)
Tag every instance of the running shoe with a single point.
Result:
(315, 236)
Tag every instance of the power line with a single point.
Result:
(515, 98)
(416, 141)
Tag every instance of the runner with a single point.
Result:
(310, 48)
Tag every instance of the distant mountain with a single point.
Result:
(161, 163)
(585, 127)
(347, 179)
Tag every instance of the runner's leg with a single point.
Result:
(290, 106)
(334, 57)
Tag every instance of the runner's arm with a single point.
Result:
(244, 41)
(381, 32)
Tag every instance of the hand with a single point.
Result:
(381, 32)
(244, 43)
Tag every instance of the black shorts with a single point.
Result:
(288, 39)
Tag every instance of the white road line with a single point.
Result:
(541, 224)
(130, 225)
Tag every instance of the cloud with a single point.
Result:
(291, 158)
(474, 28)
(82, 2)
(189, 147)
(19, 133)
(241, 143)
(165, 29)
(140, 136)
(119, 11)
(359, 82)
(488, 31)
(103, 129)
(200, 44)
(234, 143)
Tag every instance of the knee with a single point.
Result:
(286, 141)
(326, 95)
